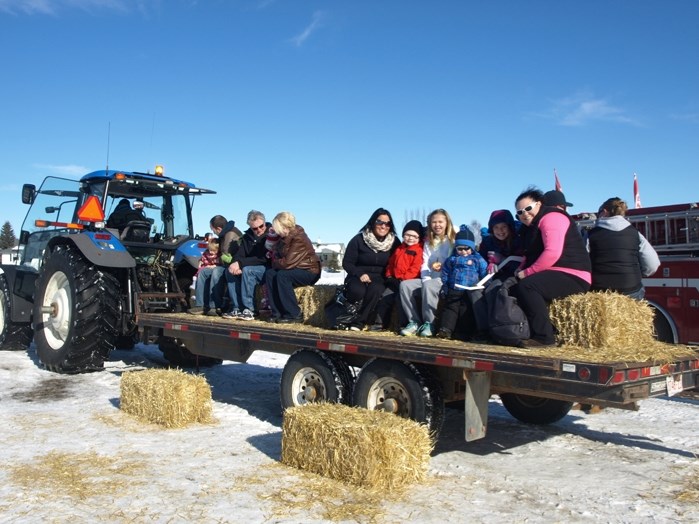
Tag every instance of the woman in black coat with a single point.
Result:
(365, 261)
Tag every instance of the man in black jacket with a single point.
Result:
(247, 268)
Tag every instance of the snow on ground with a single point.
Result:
(69, 455)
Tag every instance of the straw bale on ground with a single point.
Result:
(602, 319)
(372, 449)
(168, 397)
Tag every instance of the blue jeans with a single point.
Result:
(241, 288)
(208, 292)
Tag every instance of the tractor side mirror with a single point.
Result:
(28, 193)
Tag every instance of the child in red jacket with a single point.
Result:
(404, 264)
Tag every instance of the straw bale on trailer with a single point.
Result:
(602, 319)
(168, 397)
(312, 300)
(372, 449)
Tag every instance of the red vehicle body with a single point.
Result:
(674, 289)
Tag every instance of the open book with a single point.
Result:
(481, 283)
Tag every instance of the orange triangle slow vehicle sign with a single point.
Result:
(91, 210)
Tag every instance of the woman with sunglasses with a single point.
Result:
(555, 265)
(365, 261)
(438, 246)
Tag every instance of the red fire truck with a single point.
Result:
(674, 289)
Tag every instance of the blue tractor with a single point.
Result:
(94, 253)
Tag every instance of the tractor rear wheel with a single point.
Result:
(76, 310)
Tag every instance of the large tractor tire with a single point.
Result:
(76, 310)
(401, 388)
(13, 336)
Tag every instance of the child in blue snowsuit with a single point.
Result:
(465, 267)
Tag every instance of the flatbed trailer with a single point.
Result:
(413, 377)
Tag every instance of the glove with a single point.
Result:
(492, 268)
(494, 258)
(226, 258)
(393, 284)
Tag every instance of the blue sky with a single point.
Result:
(331, 109)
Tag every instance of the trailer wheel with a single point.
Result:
(401, 388)
(662, 328)
(13, 336)
(314, 376)
(75, 313)
(535, 410)
(177, 354)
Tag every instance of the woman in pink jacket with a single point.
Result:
(556, 263)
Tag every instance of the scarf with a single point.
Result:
(377, 245)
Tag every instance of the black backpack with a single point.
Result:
(507, 323)
(340, 313)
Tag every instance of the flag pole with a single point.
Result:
(636, 194)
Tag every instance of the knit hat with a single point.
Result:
(416, 226)
(272, 239)
(501, 216)
(555, 198)
(465, 238)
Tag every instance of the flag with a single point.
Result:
(557, 182)
(636, 194)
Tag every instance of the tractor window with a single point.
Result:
(55, 203)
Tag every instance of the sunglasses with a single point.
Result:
(526, 209)
(463, 248)
(383, 223)
(258, 228)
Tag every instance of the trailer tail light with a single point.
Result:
(103, 236)
(633, 374)
(618, 377)
(584, 373)
(603, 375)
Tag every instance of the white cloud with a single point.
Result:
(67, 170)
(584, 108)
(316, 22)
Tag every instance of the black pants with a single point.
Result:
(369, 294)
(281, 284)
(457, 314)
(534, 294)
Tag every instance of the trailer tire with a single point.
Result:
(535, 410)
(176, 353)
(314, 376)
(13, 336)
(80, 331)
(402, 388)
(662, 328)
(126, 341)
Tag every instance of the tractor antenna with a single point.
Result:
(109, 134)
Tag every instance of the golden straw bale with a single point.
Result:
(168, 397)
(602, 319)
(312, 300)
(371, 449)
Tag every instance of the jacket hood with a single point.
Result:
(616, 223)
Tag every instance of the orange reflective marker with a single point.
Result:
(91, 210)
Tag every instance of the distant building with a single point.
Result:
(330, 255)
(10, 255)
